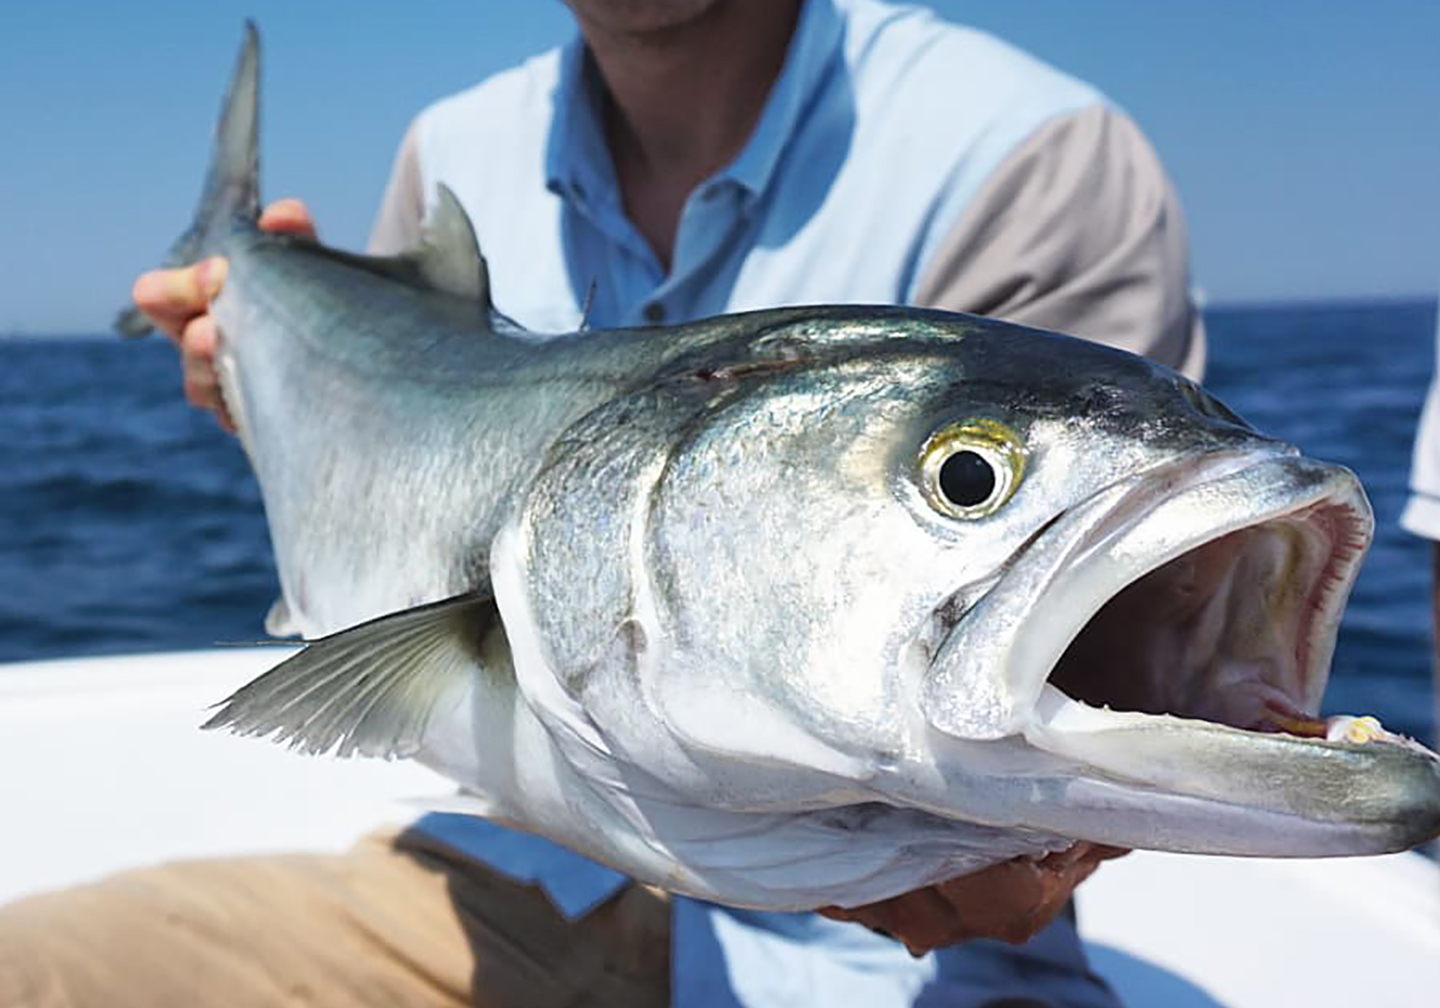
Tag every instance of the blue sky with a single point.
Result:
(1303, 135)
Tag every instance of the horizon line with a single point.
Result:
(1275, 303)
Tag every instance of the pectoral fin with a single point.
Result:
(371, 689)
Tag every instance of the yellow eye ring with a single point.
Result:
(970, 469)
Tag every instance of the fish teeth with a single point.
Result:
(1359, 730)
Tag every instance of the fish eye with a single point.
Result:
(967, 479)
(970, 469)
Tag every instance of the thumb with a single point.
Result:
(288, 216)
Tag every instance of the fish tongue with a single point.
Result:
(1279, 716)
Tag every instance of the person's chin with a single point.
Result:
(641, 17)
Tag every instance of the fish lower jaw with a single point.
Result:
(1335, 786)
(1058, 716)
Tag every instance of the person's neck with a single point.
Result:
(684, 100)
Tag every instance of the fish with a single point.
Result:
(801, 607)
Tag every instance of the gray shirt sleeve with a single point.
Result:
(397, 225)
(1078, 231)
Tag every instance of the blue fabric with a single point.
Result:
(575, 884)
(883, 125)
(737, 957)
(603, 246)
(817, 207)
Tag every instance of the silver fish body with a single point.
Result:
(792, 608)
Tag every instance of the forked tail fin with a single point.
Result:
(231, 198)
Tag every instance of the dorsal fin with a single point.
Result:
(448, 256)
(585, 309)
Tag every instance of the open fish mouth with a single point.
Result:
(1237, 630)
(1169, 639)
(1207, 589)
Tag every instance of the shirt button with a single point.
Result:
(654, 313)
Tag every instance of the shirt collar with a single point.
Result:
(578, 164)
(813, 49)
(577, 159)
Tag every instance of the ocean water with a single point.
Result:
(130, 522)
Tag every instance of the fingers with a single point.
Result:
(929, 918)
(178, 302)
(922, 920)
(172, 297)
(1022, 897)
(1012, 901)
(288, 216)
(1079, 853)
(197, 360)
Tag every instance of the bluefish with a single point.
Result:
(787, 608)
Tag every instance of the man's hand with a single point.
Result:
(178, 302)
(1011, 901)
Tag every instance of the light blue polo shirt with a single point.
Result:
(883, 124)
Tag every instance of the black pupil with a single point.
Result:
(966, 479)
